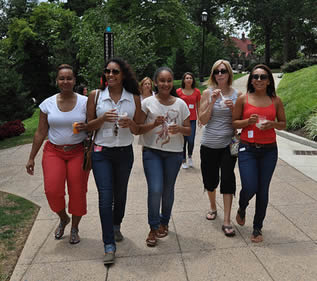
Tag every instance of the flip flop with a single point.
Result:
(211, 215)
(226, 228)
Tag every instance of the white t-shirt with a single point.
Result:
(126, 105)
(159, 138)
(60, 123)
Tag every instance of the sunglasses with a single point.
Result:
(222, 71)
(114, 71)
(262, 76)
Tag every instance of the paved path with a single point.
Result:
(195, 249)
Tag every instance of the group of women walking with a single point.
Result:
(165, 119)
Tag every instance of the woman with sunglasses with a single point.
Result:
(216, 114)
(111, 113)
(258, 113)
(191, 96)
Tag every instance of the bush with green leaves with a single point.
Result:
(298, 64)
(311, 127)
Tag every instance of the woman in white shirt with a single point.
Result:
(63, 152)
(166, 122)
(111, 114)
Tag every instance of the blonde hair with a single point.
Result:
(143, 81)
(212, 81)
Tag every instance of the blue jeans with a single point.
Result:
(190, 140)
(161, 169)
(111, 168)
(256, 167)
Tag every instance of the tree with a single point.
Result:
(39, 44)
(15, 103)
(283, 20)
(165, 20)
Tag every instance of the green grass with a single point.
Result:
(298, 91)
(30, 126)
(16, 219)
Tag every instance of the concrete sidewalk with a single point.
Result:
(195, 249)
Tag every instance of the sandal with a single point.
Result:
(211, 215)
(151, 239)
(162, 231)
(226, 229)
(256, 236)
(240, 217)
(74, 237)
(59, 232)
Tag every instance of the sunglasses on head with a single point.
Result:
(262, 76)
(114, 71)
(222, 71)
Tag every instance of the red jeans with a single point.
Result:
(60, 166)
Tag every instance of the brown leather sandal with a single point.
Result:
(151, 240)
(162, 231)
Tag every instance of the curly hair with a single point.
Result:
(129, 81)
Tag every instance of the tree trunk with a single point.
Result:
(267, 31)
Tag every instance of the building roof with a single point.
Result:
(242, 44)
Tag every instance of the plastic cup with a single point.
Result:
(261, 120)
(222, 102)
(75, 131)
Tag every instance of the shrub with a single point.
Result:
(11, 129)
(298, 64)
(311, 127)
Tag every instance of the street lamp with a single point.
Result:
(204, 17)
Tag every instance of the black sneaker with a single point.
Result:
(118, 235)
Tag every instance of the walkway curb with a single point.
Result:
(296, 138)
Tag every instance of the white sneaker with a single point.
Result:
(185, 166)
(190, 162)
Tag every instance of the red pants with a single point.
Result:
(60, 166)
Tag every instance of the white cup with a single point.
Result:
(261, 120)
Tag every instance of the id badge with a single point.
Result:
(250, 134)
(97, 148)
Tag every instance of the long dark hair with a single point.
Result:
(183, 80)
(156, 74)
(129, 81)
(270, 89)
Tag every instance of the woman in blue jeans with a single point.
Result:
(110, 111)
(259, 112)
(166, 120)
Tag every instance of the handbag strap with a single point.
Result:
(95, 131)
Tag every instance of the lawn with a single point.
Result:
(16, 220)
(298, 91)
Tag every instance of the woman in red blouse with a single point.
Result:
(191, 96)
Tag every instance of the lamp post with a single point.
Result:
(204, 17)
